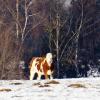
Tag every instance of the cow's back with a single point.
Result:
(37, 61)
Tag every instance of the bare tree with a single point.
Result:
(57, 38)
(18, 20)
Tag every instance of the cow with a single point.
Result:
(42, 66)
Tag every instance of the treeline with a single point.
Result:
(67, 28)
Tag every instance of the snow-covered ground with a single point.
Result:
(57, 89)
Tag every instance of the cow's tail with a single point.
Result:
(32, 71)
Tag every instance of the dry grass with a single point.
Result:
(16, 83)
(45, 85)
(36, 84)
(77, 85)
(52, 82)
(41, 85)
(5, 90)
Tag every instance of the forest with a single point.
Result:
(69, 29)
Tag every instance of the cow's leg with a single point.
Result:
(50, 74)
(51, 77)
(46, 75)
(32, 73)
(39, 75)
(33, 70)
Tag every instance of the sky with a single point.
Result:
(68, 3)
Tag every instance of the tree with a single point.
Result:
(88, 32)
(19, 20)
(58, 17)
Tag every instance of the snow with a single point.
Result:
(57, 89)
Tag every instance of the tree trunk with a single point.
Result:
(57, 42)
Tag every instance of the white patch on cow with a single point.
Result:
(49, 58)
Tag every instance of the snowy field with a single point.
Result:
(57, 89)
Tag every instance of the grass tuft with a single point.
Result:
(45, 85)
(77, 85)
(16, 83)
(52, 82)
(5, 90)
(36, 84)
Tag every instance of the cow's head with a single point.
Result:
(49, 58)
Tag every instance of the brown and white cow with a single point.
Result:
(41, 66)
